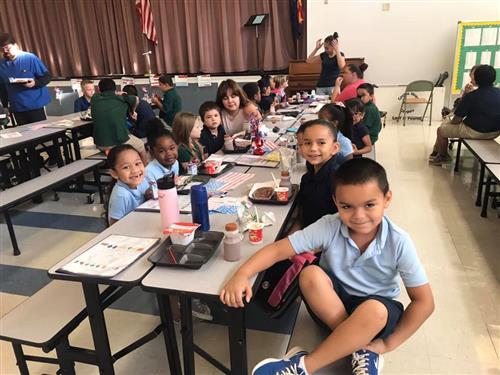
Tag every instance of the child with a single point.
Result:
(366, 92)
(109, 116)
(252, 92)
(361, 142)
(187, 131)
(252, 109)
(352, 290)
(83, 102)
(231, 99)
(280, 84)
(265, 93)
(318, 145)
(342, 119)
(127, 169)
(212, 135)
(163, 150)
(171, 102)
(144, 113)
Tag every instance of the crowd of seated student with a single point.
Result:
(327, 144)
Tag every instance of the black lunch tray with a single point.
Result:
(193, 255)
(203, 171)
(274, 199)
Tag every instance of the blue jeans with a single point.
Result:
(324, 90)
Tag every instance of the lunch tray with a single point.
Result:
(274, 200)
(192, 256)
(203, 171)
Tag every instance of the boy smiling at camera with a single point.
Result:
(352, 292)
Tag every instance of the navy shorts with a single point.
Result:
(394, 308)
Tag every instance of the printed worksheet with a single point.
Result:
(110, 256)
(489, 36)
(472, 37)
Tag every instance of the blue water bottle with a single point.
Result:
(199, 206)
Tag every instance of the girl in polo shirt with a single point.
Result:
(130, 188)
(163, 150)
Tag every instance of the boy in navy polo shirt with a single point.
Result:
(352, 290)
(27, 100)
(83, 102)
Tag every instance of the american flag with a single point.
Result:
(232, 180)
(146, 17)
(269, 146)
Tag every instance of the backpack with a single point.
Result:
(280, 284)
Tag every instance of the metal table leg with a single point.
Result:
(237, 341)
(174, 361)
(187, 335)
(98, 327)
(480, 185)
(12, 234)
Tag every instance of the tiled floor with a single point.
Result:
(459, 249)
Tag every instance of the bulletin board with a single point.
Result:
(477, 43)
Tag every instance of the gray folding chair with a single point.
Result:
(410, 97)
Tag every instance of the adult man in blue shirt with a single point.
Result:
(28, 98)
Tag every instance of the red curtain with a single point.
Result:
(100, 37)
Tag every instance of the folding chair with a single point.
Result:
(409, 97)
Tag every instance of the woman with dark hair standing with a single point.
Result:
(352, 77)
(332, 61)
(231, 99)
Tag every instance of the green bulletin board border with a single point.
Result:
(459, 57)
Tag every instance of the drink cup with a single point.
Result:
(282, 194)
(255, 233)
(228, 144)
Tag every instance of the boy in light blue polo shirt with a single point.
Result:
(351, 292)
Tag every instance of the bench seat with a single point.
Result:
(34, 187)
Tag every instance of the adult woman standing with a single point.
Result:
(352, 77)
(332, 61)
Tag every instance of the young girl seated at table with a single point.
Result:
(318, 145)
(280, 84)
(130, 188)
(361, 142)
(341, 117)
(187, 131)
(163, 150)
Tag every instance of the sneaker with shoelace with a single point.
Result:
(366, 362)
(440, 159)
(291, 364)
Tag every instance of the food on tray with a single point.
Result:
(263, 193)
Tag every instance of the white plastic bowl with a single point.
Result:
(182, 239)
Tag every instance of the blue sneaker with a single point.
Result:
(291, 364)
(366, 362)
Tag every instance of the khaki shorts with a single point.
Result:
(449, 130)
(133, 141)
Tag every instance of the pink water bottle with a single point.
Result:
(167, 197)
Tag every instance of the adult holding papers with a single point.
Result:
(23, 82)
